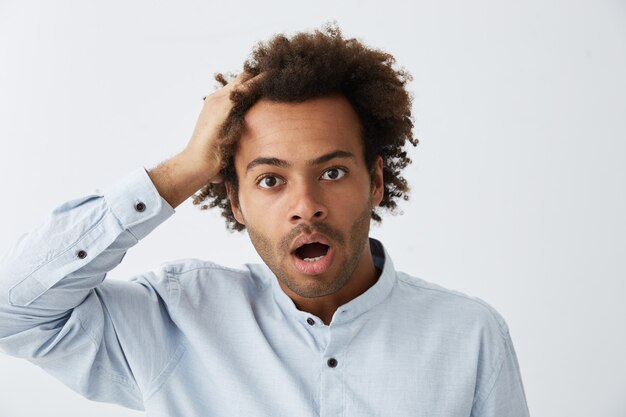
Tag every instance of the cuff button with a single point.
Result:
(81, 254)
(140, 207)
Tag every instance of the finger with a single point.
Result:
(245, 81)
(241, 81)
(238, 81)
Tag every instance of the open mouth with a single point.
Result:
(312, 255)
(312, 252)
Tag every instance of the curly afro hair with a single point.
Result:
(317, 64)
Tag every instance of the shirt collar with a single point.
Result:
(357, 306)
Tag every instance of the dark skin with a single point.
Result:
(302, 173)
(320, 189)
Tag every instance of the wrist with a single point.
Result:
(199, 164)
(181, 176)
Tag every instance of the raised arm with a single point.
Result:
(56, 309)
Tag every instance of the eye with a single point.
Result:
(270, 181)
(333, 174)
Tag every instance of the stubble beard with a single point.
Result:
(357, 240)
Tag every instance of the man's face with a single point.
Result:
(305, 193)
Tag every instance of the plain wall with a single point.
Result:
(518, 193)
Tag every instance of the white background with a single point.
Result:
(518, 193)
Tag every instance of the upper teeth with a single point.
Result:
(313, 259)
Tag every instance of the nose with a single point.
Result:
(307, 204)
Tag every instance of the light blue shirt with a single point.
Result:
(197, 339)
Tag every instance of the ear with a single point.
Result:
(234, 203)
(378, 186)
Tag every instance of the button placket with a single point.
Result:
(332, 401)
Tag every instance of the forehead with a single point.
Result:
(304, 130)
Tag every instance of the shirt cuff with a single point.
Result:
(137, 204)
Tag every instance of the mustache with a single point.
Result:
(322, 228)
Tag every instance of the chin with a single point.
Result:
(309, 287)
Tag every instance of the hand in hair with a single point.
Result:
(203, 147)
(199, 162)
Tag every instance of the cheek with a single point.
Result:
(259, 211)
(353, 197)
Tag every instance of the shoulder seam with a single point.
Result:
(245, 274)
(503, 330)
(480, 401)
(171, 283)
(169, 267)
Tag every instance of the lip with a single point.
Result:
(303, 239)
(312, 268)
(316, 267)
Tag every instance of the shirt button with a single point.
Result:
(310, 321)
(81, 254)
(332, 362)
(140, 207)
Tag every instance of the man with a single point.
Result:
(300, 150)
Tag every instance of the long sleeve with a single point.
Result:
(55, 310)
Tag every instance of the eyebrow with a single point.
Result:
(281, 163)
(268, 161)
